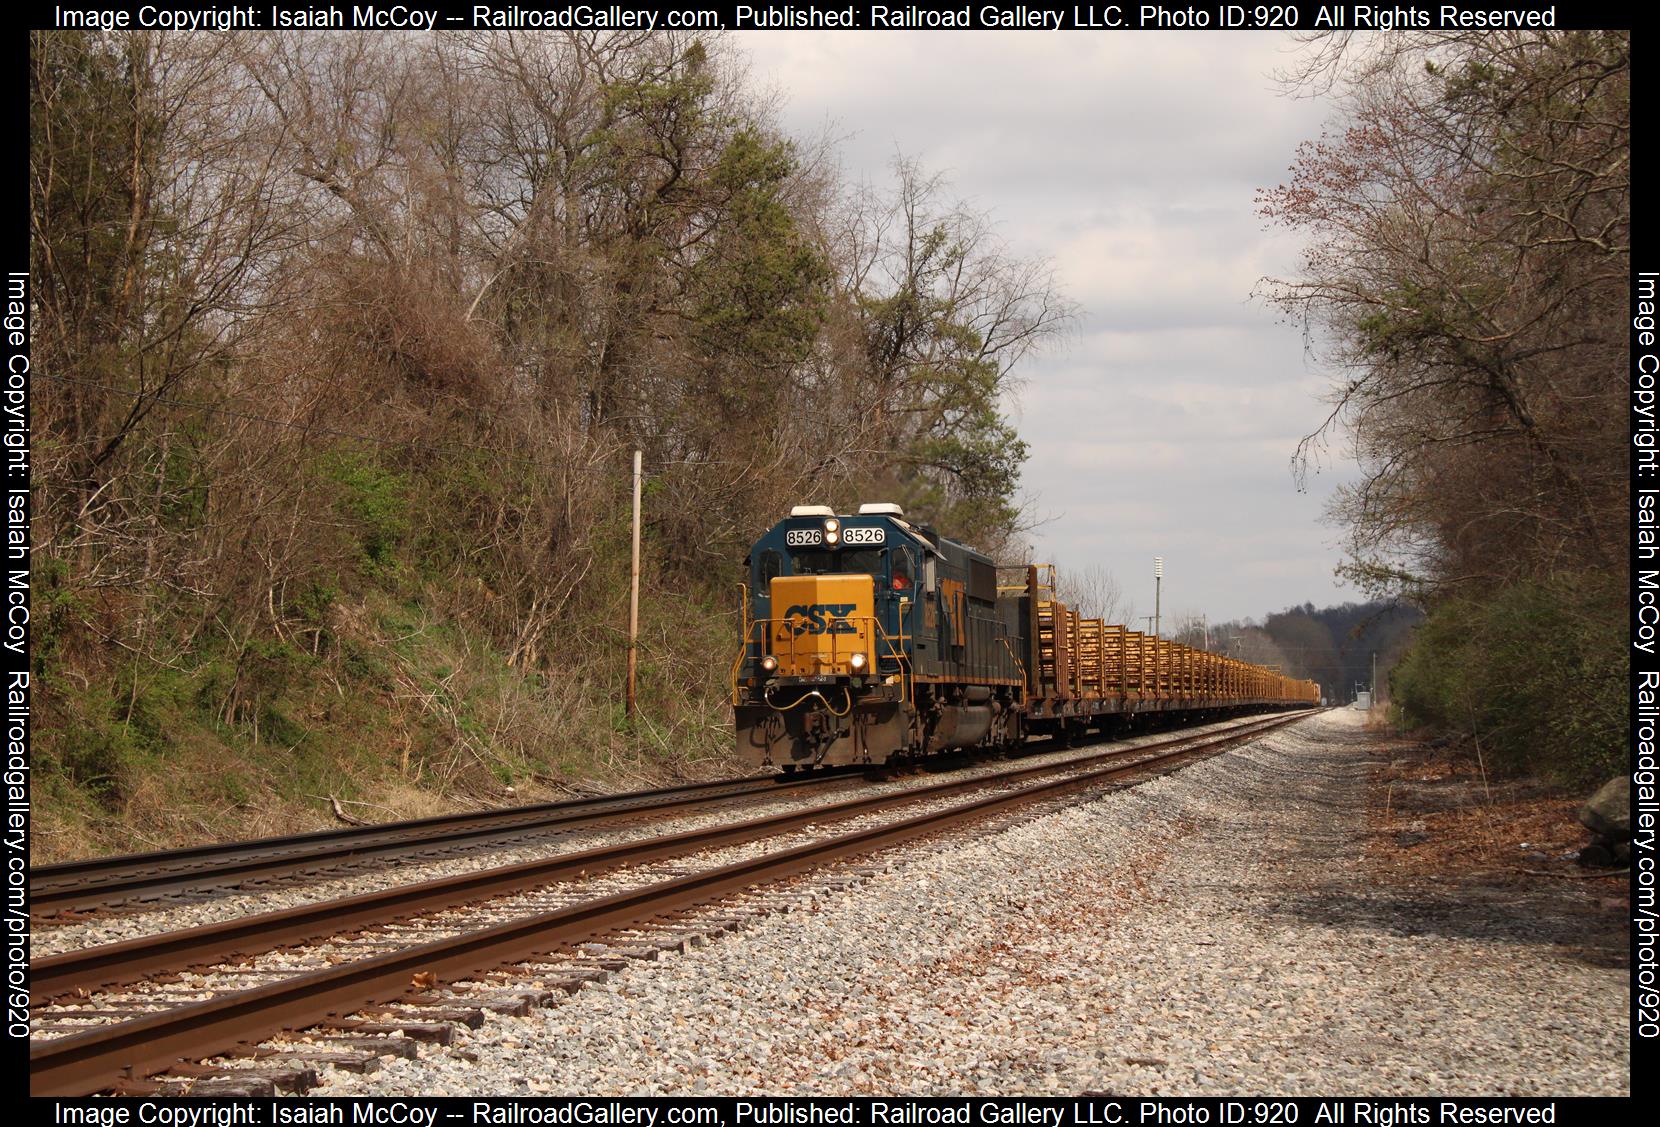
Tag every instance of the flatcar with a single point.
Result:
(872, 640)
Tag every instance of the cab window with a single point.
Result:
(903, 578)
(812, 562)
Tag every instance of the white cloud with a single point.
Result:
(1132, 162)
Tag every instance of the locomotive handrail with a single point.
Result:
(743, 609)
(737, 662)
(1025, 685)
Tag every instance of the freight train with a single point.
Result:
(872, 640)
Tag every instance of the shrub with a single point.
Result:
(1535, 671)
(376, 500)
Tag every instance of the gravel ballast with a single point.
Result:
(222, 904)
(1214, 931)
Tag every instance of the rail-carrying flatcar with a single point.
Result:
(870, 640)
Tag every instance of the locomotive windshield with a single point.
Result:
(852, 561)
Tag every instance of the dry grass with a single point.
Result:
(1435, 813)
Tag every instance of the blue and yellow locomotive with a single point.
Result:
(869, 639)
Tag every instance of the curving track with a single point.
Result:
(109, 1055)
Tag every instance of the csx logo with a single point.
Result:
(820, 618)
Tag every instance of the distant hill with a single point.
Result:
(1332, 645)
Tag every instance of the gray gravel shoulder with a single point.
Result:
(1214, 931)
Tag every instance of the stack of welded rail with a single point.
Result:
(1097, 666)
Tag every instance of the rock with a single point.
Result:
(1596, 856)
(1608, 812)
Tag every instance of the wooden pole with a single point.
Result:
(634, 593)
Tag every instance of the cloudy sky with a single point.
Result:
(1167, 424)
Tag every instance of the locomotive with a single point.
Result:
(872, 640)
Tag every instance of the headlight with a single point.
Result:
(832, 525)
(857, 661)
(769, 664)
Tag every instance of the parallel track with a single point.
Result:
(62, 890)
(79, 886)
(108, 1055)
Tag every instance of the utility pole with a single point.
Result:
(1158, 590)
(1374, 676)
(634, 595)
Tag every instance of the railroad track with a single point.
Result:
(58, 891)
(70, 891)
(416, 936)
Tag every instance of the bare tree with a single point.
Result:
(947, 314)
(1467, 271)
(1095, 593)
(1255, 645)
(159, 238)
(1190, 628)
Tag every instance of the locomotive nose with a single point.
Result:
(824, 625)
